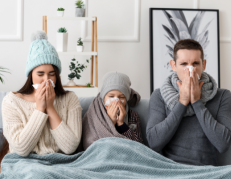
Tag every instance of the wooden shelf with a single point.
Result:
(81, 89)
(71, 18)
(78, 86)
(78, 53)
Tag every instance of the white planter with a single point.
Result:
(71, 83)
(62, 39)
(60, 13)
(79, 12)
(79, 48)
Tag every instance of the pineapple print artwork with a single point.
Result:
(178, 29)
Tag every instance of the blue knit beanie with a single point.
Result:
(41, 52)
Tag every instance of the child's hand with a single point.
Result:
(122, 114)
(112, 111)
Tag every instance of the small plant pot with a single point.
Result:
(79, 12)
(60, 13)
(71, 83)
(79, 48)
(62, 40)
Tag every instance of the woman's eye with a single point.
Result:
(40, 75)
(52, 75)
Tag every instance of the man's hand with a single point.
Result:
(195, 87)
(185, 88)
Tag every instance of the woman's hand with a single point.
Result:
(50, 96)
(112, 111)
(122, 114)
(40, 97)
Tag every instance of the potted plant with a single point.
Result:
(79, 10)
(79, 46)
(88, 85)
(3, 70)
(62, 39)
(76, 69)
(60, 12)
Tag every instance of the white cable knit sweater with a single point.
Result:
(28, 129)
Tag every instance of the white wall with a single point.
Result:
(131, 58)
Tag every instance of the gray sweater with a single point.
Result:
(194, 139)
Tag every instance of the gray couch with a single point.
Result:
(142, 110)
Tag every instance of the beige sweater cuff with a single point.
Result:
(65, 138)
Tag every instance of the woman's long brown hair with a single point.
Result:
(28, 89)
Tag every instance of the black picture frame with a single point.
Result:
(152, 51)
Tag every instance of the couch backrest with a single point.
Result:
(142, 110)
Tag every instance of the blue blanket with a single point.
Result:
(106, 158)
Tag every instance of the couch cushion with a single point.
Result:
(85, 103)
(142, 110)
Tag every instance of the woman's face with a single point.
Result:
(115, 93)
(43, 73)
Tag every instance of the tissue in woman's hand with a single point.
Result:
(37, 85)
(190, 70)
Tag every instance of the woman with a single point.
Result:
(115, 119)
(43, 120)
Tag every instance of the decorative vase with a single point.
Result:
(62, 39)
(71, 83)
(60, 13)
(79, 48)
(79, 12)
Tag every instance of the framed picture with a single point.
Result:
(168, 26)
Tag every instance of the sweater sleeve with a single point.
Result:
(22, 137)
(161, 128)
(68, 134)
(218, 130)
(136, 134)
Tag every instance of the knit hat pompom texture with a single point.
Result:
(116, 81)
(41, 52)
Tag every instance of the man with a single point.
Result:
(189, 118)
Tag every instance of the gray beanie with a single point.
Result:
(116, 81)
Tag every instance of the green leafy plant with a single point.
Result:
(88, 85)
(3, 70)
(79, 4)
(76, 69)
(62, 30)
(80, 42)
(60, 9)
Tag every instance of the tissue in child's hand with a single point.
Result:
(37, 85)
(190, 70)
(112, 99)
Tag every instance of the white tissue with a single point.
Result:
(113, 99)
(190, 70)
(37, 85)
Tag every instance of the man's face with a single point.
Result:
(188, 58)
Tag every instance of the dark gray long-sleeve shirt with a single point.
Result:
(193, 139)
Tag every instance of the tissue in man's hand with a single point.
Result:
(190, 70)
(37, 85)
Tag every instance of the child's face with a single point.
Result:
(115, 93)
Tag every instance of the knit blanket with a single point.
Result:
(112, 158)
